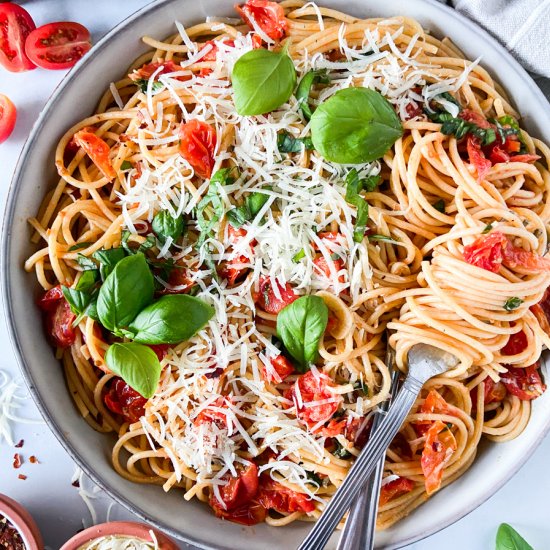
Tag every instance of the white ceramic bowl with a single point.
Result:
(75, 99)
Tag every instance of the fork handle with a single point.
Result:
(363, 466)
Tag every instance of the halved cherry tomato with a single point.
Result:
(525, 158)
(413, 111)
(477, 157)
(209, 414)
(334, 427)
(8, 114)
(197, 144)
(267, 300)
(124, 400)
(179, 281)
(439, 447)
(160, 349)
(274, 495)
(315, 403)
(394, 489)
(146, 71)
(281, 367)
(97, 150)
(58, 317)
(15, 25)
(477, 118)
(524, 383)
(322, 266)
(211, 54)
(58, 45)
(493, 392)
(72, 146)
(269, 16)
(238, 267)
(517, 343)
(433, 404)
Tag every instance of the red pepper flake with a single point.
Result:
(33, 459)
(76, 483)
(17, 460)
(20, 444)
(22, 476)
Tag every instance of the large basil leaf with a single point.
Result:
(354, 126)
(137, 365)
(171, 319)
(126, 291)
(302, 92)
(509, 539)
(262, 81)
(165, 225)
(300, 326)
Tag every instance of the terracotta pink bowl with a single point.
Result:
(20, 518)
(120, 528)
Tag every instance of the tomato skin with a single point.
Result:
(439, 446)
(58, 317)
(433, 404)
(525, 158)
(59, 45)
(542, 311)
(268, 301)
(477, 158)
(160, 349)
(15, 26)
(524, 383)
(281, 369)
(394, 489)
(493, 392)
(210, 415)
(313, 387)
(274, 495)
(197, 145)
(473, 116)
(322, 266)
(97, 150)
(180, 280)
(514, 256)
(124, 400)
(269, 16)
(517, 343)
(8, 116)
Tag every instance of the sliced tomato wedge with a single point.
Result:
(393, 489)
(58, 317)
(124, 400)
(279, 369)
(314, 402)
(58, 45)
(269, 16)
(275, 496)
(145, 72)
(334, 427)
(439, 447)
(477, 157)
(8, 115)
(15, 25)
(267, 300)
(97, 150)
(525, 158)
(357, 431)
(524, 383)
(197, 145)
(433, 404)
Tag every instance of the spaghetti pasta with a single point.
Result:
(244, 213)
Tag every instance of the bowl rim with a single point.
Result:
(22, 521)
(9, 309)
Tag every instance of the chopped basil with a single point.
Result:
(167, 226)
(512, 303)
(247, 211)
(210, 209)
(126, 165)
(314, 478)
(354, 186)
(287, 143)
(142, 84)
(439, 206)
(340, 451)
(84, 262)
(108, 259)
(298, 256)
(79, 246)
(487, 228)
(304, 87)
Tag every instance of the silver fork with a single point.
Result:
(424, 362)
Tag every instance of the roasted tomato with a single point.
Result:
(8, 114)
(542, 311)
(15, 25)
(323, 267)
(280, 367)
(160, 349)
(269, 16)
(125, 401)
(433, 404)
(439, 447)
(514, 256)
(197, 145)
(334, 427)
(58, 317)
(357, 430)
(493, 392)
(517, 343)
(267, 300)
(179, 281)
(72, 146)
(210, 414)
(275, 496)
(211, 54)
(145, 72)
(97, 150)
(393, 489)
(58, 45)
(315, 403)
(237, 267)
(524, 383)
(477, 157)
(473, 116)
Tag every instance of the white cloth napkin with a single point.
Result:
(522, 26)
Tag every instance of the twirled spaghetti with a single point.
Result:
(451, 255)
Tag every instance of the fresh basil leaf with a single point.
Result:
(304, 87)
(209, 211)
(79, 246)
(298, 256)
(148, 243)
(171, 319)
(354, 126)
(224, 176)
(439, 206)
(247, 211)
(354, 186)
(126, 165)
(487, 228)
(87, 280)
(238, 216)
(340, 451)
(126, 291)
(301, 326)
(512, 303)
(165, 226)
(314, 478)
(362, 387)
(287, 143)
(137, 365)
(78, 300)
(108, 259)
(142, 84)
(509, 539)
(262, 81)
(85, 263)
(255, 202)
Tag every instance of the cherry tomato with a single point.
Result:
(524, 383)
(413, 111)
(267, 300)
(237, 267)
(269, 16)
(160, 349)
(525, 158)
(394, 489)
(358, 431)
(322, 266)
(334, 427)
(477, 118)
(211, 54)
(515, 256)
(486, 251)
(15, 25)
(209, 414)
(477, 158)
(439, 447)
(97, 150)
(58, 317)
(197, 144)
(125, 401)
(316, 403)
(493, 392)
(498, 155)
(274, 495)
(8, 114)
(433, 404)
(281, 367)
(146, 71)
(542, 311)
(247, 514)
(179, 281)
(72, 147)
(58, 45)
(517, 343)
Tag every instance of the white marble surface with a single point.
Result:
(47, 491)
